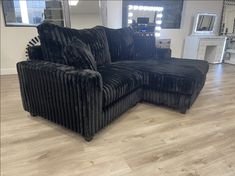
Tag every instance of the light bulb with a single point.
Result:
(141, 7)
(130, 14)
(73, 2)
(161, 9)
(157, 34)
(130, 7)
(158, 28)
(159, 15)
(136, 7)
(159, 22)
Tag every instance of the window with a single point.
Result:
(32, 12)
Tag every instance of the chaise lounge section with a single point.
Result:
(58, 84)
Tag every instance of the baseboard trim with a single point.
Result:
(8, 71)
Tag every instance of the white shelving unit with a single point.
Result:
(231, 59)
(229, 56)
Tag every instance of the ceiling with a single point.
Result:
(86, 6)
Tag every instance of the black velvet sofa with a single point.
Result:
(61, 82)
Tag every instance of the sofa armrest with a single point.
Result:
(163, 53)
(62, 94)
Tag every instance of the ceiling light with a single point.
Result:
(73, 2)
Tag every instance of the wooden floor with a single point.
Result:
(146, 141)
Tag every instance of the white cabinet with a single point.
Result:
(209, 48)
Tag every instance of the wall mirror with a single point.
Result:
(228, 18)
(204, 23)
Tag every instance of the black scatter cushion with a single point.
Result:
(121, 43)
(79, 55)
(144, 46)
(95, 38)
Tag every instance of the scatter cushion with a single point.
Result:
(94, 37)
(79, 55)
(121, 43)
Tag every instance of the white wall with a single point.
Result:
(13, 44)
(114, 14)
(85, 15)
(81, 21)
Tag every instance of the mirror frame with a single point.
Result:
(195, 32)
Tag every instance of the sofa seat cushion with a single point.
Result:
(201, 65)
(54, 39)
(118, 82)
(169, 76)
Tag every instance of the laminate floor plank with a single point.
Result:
(146, 140)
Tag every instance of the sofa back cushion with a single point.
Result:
(144, 46)
(79, 55)
(54, 38)
(121, 43)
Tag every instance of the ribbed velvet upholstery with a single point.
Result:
(144, 47)
(62, 94)
(86, 100)
(120, 106)
(54, 38)
(79, 55)
(168, 76)
(121, 43)
(35, 53)
(118, 82)
(163, 53)
(168, 99)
